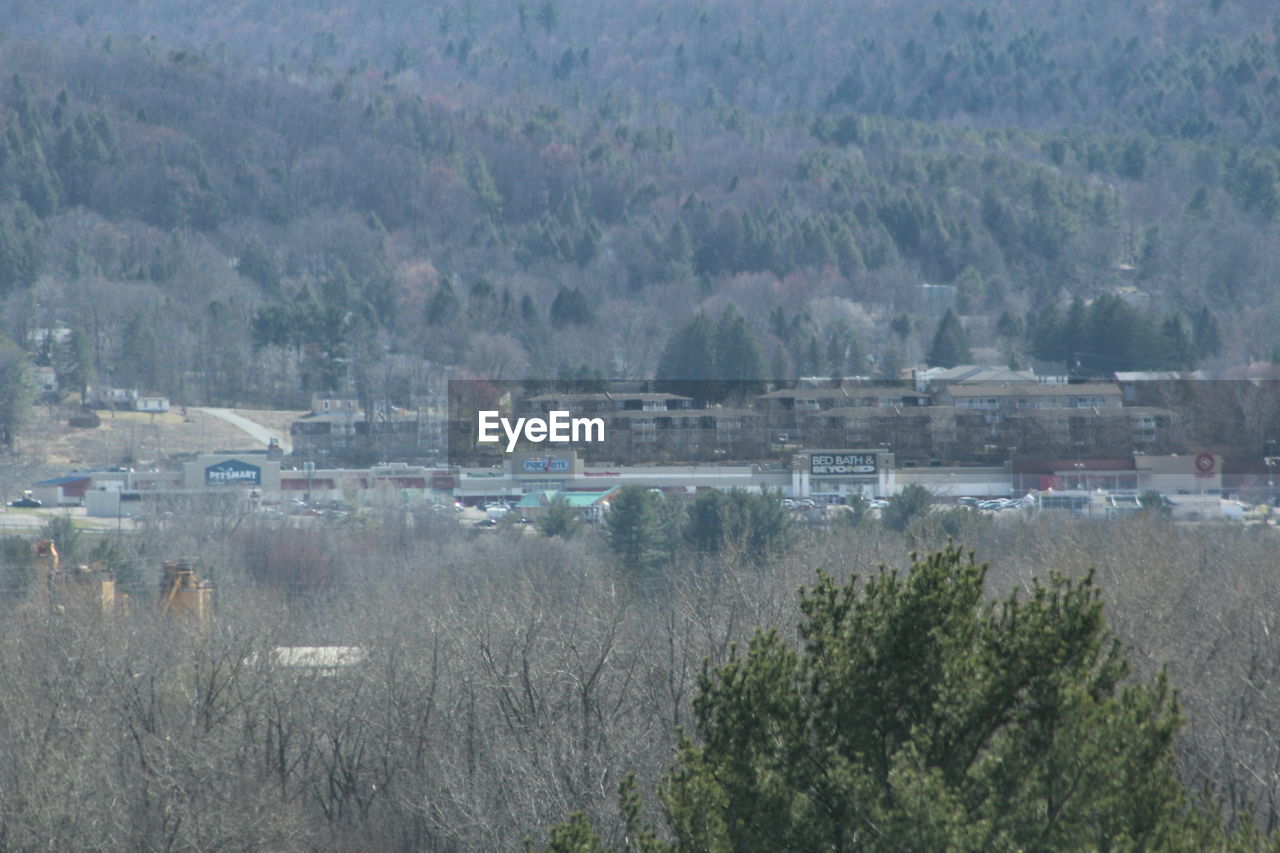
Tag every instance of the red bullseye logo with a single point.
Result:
(1204, 463)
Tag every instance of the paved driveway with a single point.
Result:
(257, 431)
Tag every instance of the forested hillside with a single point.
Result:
(242, 202)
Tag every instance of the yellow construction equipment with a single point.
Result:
(183, 595)
(46, 560)
(83, 589)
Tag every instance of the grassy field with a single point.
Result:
(134, 439)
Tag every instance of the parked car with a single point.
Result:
(26, 503)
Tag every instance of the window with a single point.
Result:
(531, 486)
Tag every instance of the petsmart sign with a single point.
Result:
(233, 471)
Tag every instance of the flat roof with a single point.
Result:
(577, 500)
(686, 413)
(1029, 390)
(783, 393)
(604, 395)
(62, 481)
(887, 413)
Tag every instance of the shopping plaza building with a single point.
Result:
(826, 476)
(967, 432)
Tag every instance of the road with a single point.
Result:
(256, 431)
(17, 520)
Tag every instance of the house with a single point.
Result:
(127, 399)
(46, 379)
(1062, 429)
(602, 403)
(398, 435)
(153, 403)
(578, 403)
(1008, 398)
(323, 433)
(112, 398)
(651, 402)
(697, 432)
(800, 400)
(1140, 386)
(1050, 372)
(938, 378)
(334, 402)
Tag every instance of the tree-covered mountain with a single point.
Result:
(247, 201)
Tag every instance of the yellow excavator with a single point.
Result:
(184, 595)
(82, 588)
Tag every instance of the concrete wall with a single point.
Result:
(1189, 474)
(103, 503)
(51, 496)
(477, 482)
(994, 481)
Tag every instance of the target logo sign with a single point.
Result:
(1204, 463)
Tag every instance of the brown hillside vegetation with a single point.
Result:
(134, 439)
(505, 681)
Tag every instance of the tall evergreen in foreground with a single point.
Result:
(915, 714)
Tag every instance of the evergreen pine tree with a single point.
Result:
(259, 264)
(1208, 337)
(443, 305)
(571, 308)
(641, 527)
(19, 249)
(950, 345)
(17, 391)
(1044, 333)
(74, 363)
(915, 713)
(560, 519)
(739, 364)
(690, 354)
(1177, 342)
